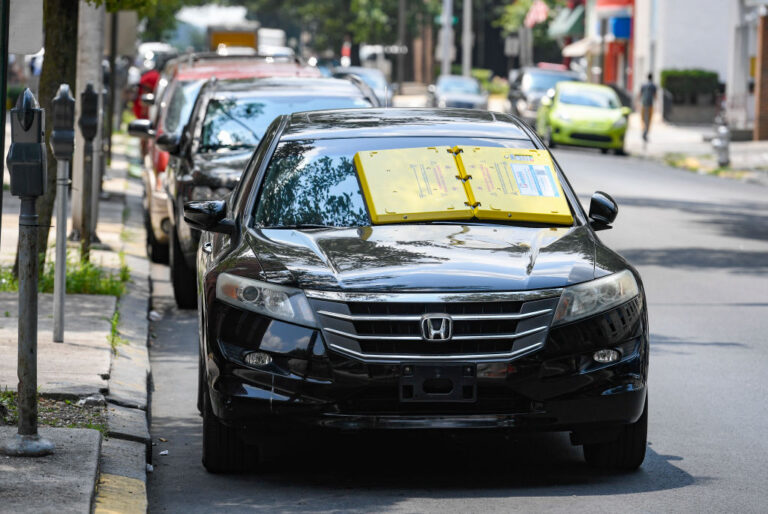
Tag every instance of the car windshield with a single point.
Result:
(236, 122)
(180, 106)
(314, 182)
(458, 85)
(533, 81)
(589, 98)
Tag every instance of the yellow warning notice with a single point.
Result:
(443, 183)
(515, 184)
(412, 184)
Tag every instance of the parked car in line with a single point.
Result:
(311, 315)
(581, 114)
(228, 120)
(375, 79)
(530, 85)
(457, 91)
(172, 101)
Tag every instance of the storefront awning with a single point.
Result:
(568, 22)
(582, 47)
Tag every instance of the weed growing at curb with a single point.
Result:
(55, 413)
(114, 336)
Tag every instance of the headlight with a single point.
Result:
(280, 302)
(621, 122)
(521, 105)
(201, 193)
(562, 117)
(584, 300)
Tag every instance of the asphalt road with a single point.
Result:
(701, 244)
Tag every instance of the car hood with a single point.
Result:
(426, 258)
(462, 97)
(220, 168)
(584, 114)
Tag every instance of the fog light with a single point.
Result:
(605, 356)
(257, 358)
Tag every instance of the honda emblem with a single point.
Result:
(436, 327)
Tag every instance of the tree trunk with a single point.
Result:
(59, 64)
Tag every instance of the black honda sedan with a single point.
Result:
(318, 311)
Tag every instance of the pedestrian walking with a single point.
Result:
(647, 97)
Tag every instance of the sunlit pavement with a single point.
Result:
(701, 245)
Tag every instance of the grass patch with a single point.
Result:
(82, 278)
(55, 413)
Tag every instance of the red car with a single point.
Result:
(174, 97)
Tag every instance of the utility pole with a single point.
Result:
(446, 42)
(90, 51)
(400, 43)
(466, 39)
(27, 166)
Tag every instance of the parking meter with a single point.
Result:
(26, 156)
(88, 123)
(27, 165)
(62, 145)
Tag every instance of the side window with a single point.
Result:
(241, 193)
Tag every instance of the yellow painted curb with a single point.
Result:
(118, 494)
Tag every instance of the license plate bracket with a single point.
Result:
(455, 382)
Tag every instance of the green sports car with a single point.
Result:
(578, 113)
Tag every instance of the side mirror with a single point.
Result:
(141, 128)
(209, 216)
(170, 143)
(626, 111)
(148, 99)
(602, 210)
(546, 101)
(431, 89)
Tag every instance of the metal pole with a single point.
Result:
(447, 40)
(89, 124)
(5, 14)
(62, 144)
(60, 272)
(27, 163)
(466, 39)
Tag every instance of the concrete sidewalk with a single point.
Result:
(116, 376)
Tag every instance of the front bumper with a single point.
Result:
(576, 135)
(558, 388)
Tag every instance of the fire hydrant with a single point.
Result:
(721, 144)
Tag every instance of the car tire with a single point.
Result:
(182, 277)
(200, 385)
(620, 151)
(156, 251)
(625, 453)
(604, 151)
(223, 450)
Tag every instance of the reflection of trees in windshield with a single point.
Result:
(300, 189)
(229, 123)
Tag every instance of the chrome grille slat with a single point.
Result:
(478, 337)
(455, 317)
(470, 356)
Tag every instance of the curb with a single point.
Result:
(125, 455)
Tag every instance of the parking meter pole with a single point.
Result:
(89, 123)
(62, 144)
(27, 165)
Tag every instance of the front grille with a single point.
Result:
(591, 137)
(391, 330)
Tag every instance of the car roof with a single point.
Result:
(321, 86)
(586, 86)
(245, 68)
(391, 122)
(546, 71)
